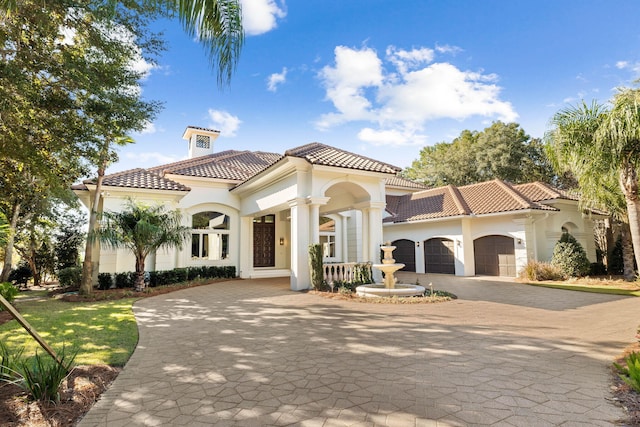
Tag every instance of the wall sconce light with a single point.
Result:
(282, 241)
(418, 244)
(459, 243)
(519, 241)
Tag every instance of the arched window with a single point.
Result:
(210, 236)
(328, 237)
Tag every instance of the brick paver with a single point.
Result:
(253, 353)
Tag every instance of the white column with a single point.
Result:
(344, 238)
(419, 256)
(300, 278)
(365, 235)
(375, 236)
(464, 248)
(314, 216)
(245, 248)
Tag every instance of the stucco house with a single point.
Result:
(259, 212)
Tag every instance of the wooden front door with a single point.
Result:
(264, 241)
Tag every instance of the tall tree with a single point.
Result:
(600, 144)
(142, 229)
(502, 150)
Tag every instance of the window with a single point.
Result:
(203, 141)
(210, 236)
(327, 233)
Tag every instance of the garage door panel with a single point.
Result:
(495, 256)
(439, 256)
(405, 253)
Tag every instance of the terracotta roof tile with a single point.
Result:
(539, 191)
(449, 201)
(140, 178)
(398, 181)
(325, 155)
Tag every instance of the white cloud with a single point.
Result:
(260, 16)
(622, 65)
(226, 123)
(149, 128)
(276, 79)
(355, 70)
(445, 48)
(629, 66)
(400, 102)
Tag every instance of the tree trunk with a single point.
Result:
(629, 186)
(139, 284)
(8, 252)
(86, 286)
(627, 252)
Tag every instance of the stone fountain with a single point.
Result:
(389, 287)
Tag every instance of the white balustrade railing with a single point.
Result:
(339, 272)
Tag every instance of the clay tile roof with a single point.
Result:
(140, 178)
(320, 154)
(398, 181)
(539, 191)
(230, 164)
(475, 199)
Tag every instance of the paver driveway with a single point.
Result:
(253, 353)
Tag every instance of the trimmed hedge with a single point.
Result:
(167, 277)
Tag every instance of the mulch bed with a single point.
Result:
(79, 392)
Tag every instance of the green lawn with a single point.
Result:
(104, 332)
(584, 288)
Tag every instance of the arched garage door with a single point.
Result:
(405, 253)
(439, 256)
(494, 256)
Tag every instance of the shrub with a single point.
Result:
(42, 376)
(535, 270)
(8, 292)
(570, 257)
(316, 266)
(124, 280)
(630, 373)
(105, 281)
(70, 277)
(9, 364)
(21, 274)
(597, 269)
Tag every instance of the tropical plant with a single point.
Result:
(630, 373)
(42, 376)
(8, 292)
(598, 144)
(142, 229)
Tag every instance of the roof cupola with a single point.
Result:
(200, 140)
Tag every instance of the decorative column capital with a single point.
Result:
(316, 200)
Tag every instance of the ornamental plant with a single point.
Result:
(570, 257)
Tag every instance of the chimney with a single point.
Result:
(200, 140)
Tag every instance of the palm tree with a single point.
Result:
(601, 147)
(142, 229)
(217, 24)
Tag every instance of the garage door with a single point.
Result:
(494, 256)
(439, 256)
(405, 253)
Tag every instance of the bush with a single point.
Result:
(70, 277)
(597, 269)
(42, 376)
(105, 281)
(124, 280)
(316, 266)
(570, 257)
(630, 373)
(535, 270)
(8, 292)
(21, 274)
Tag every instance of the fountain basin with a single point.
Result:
(379, 290)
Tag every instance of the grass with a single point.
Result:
(592, 285)
(104, 332)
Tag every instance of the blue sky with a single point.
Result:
(385, 78)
